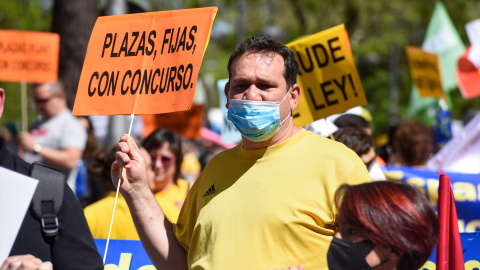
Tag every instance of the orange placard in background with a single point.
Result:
(144, 63)
(29, 56)
(186, 123)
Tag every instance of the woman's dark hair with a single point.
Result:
(100, 166)
(91, 145)
(157, 138)
(355, 138)
(394, 215)
(268, 46)
(351, 120)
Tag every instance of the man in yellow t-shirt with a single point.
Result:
(265, 204)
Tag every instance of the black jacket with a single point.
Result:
(73, 247)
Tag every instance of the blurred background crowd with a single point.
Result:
(394, 128)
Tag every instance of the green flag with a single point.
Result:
(442, 39)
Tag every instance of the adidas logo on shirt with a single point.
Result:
(210, 191)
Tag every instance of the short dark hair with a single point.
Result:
(99, 168)
(351, 120)
(268, 45)
(55, 87)
(355, 138)
(160, 136)
(394, 215)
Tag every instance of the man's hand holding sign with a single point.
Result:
(328, 75)
(144, 64)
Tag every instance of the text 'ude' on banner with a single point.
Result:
(144, 63)
(29, 56)
(328, 76)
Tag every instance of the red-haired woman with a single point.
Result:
(382, 225)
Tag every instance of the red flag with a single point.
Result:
(449, 248)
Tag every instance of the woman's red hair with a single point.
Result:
(394, 215)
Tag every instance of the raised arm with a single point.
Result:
(154, 229)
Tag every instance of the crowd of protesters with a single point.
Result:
(267, 186)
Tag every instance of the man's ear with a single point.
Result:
(2, 101)
(294, 96)
(227, 90)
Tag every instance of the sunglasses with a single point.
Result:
(166, 161)
(44, 100)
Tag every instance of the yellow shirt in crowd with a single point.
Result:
(99, 213)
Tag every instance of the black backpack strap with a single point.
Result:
(48, 197)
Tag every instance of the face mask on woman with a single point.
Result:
(348, 255)
(256, 120)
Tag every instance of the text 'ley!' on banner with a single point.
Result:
(29, 56)
(425, 71)
(328, 76)
(144, 63)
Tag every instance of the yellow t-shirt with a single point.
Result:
(171, 200)
(99, 214)
(267, 208)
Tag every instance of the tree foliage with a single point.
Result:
(20, 15)
(376, 29)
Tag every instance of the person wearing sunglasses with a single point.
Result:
(165, 150)
(99, 213)
(162, 152)
(72, 247)
(57, 138)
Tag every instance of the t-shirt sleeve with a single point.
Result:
(358, 175)
(74, 247)
(183, 228)
(76, 135)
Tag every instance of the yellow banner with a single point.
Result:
(328, 76)
(425, 71)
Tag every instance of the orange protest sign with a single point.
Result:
(144, 63)
(425, 71)
(186, 123)
(328, 76)
(29, 56)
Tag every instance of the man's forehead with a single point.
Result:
(42, 90)
(266, 57)
(269, 59)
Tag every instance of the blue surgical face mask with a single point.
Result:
(256, 120)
